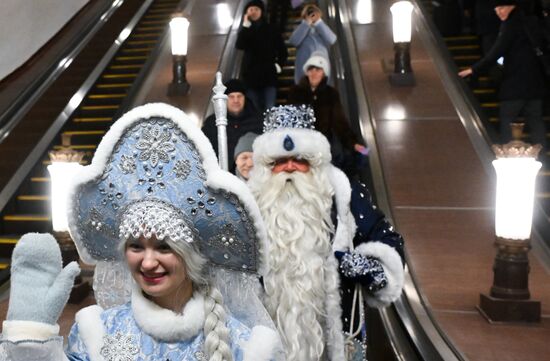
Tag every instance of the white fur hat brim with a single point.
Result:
(318, 61)
(306, 143)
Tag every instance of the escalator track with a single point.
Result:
(29, 208)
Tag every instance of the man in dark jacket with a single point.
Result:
(242, 117)
(346, 147)
(522, 88)
(264, 55)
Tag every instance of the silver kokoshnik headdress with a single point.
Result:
(155, 163)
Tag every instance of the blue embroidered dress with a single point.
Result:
(152, 336)
(142, 331)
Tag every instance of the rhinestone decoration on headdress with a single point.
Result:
(152, 217)
(289, 116)
(153, 169)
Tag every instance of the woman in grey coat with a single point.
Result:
(311, 35)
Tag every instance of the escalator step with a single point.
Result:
(93, 120)
(106, 96)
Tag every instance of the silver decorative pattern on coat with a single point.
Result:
(118, 347)
(155, 144)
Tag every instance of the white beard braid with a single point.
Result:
(299, 227)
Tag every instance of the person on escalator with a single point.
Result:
(522, 88)
(177, 257)
(264, 55)
(347, 149)
(242, 117)
(325, 240)
(311, 35)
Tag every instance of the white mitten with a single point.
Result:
(40, 287)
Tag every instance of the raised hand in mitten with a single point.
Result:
(40, 287)
(366, 270)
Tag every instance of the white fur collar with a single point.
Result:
(167, 325)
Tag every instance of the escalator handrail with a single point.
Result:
(42, 146)
(24, 101)
(412, 311)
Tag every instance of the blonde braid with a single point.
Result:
(216, 334)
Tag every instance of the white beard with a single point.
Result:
(296, 209)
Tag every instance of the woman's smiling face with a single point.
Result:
(160, 273)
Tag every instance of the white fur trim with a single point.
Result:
(335, 336)
(261, 345)
(91, 330)
(307, 142)
(345, 231)
(216, 178)
(165, 324)
(28, 330)
(393, 268)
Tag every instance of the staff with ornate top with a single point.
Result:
(220, 109)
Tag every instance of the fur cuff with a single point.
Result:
(28, 330)
(262, 344)
(91, 330)
(393, 269)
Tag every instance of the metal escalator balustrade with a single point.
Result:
(29, 209)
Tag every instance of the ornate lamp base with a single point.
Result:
(509, 297)
(402, 79)
(81, 289)
(179, 84)
(402, 71)
(498, 310)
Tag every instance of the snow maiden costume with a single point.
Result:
(324, 230)
(154, 174)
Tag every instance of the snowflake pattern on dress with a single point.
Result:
(118, 347)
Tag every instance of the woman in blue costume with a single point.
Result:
(153, 207)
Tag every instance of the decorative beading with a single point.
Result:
(155, 144)
(289, 116)
(354, 265)
(137, 220)
(118, 347)
(516, 149)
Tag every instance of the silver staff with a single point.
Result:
(220, 109)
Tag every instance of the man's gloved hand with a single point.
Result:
(40, 288)
(366, 270)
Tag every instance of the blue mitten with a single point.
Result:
(40, 288)
(366, 270)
